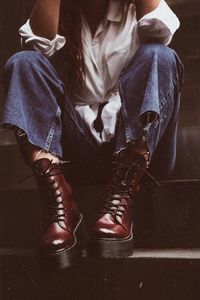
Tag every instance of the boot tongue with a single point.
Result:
(128, 156)
(128, 163)
(42, 165)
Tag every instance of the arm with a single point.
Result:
(157, 23)
(44, 18)
(144, 7)
(40, 31)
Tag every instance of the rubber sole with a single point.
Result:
(64, 258)
(110, 248)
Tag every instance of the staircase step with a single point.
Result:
(114, 279)
(188, 115)
(150, 254)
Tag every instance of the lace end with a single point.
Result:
(25, 178)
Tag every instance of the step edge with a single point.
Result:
(180, 254)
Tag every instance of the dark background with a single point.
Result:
(165, 218)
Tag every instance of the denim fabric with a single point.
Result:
(32, 90)
(151, 83)
(37, 103)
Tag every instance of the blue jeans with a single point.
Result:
(37, 103)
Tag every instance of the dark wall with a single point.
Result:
(187, 43)
(12, 15)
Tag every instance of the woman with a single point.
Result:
(118, 102)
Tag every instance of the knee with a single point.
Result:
(22, 59)
(160, 51)
(164, 57)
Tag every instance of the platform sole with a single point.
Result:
(64, 258)
(110, 248)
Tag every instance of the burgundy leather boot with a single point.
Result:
(112, 233)
(60, 242)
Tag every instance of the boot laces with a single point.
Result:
(55, 203)
(121, 188)
(55, 209)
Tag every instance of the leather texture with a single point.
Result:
(116, 218)
(61, 212)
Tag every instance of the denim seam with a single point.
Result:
(50, 136)
(163, 101)
(126, 122)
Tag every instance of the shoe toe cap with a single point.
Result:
(56, 241)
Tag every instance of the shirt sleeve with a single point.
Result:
(46, 46)
(158, 25)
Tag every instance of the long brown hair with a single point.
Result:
(71, 28)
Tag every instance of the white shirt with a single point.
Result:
(116, 40)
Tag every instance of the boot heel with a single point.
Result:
(110, 249)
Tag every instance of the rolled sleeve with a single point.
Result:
(44, 45)
(158, 25)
